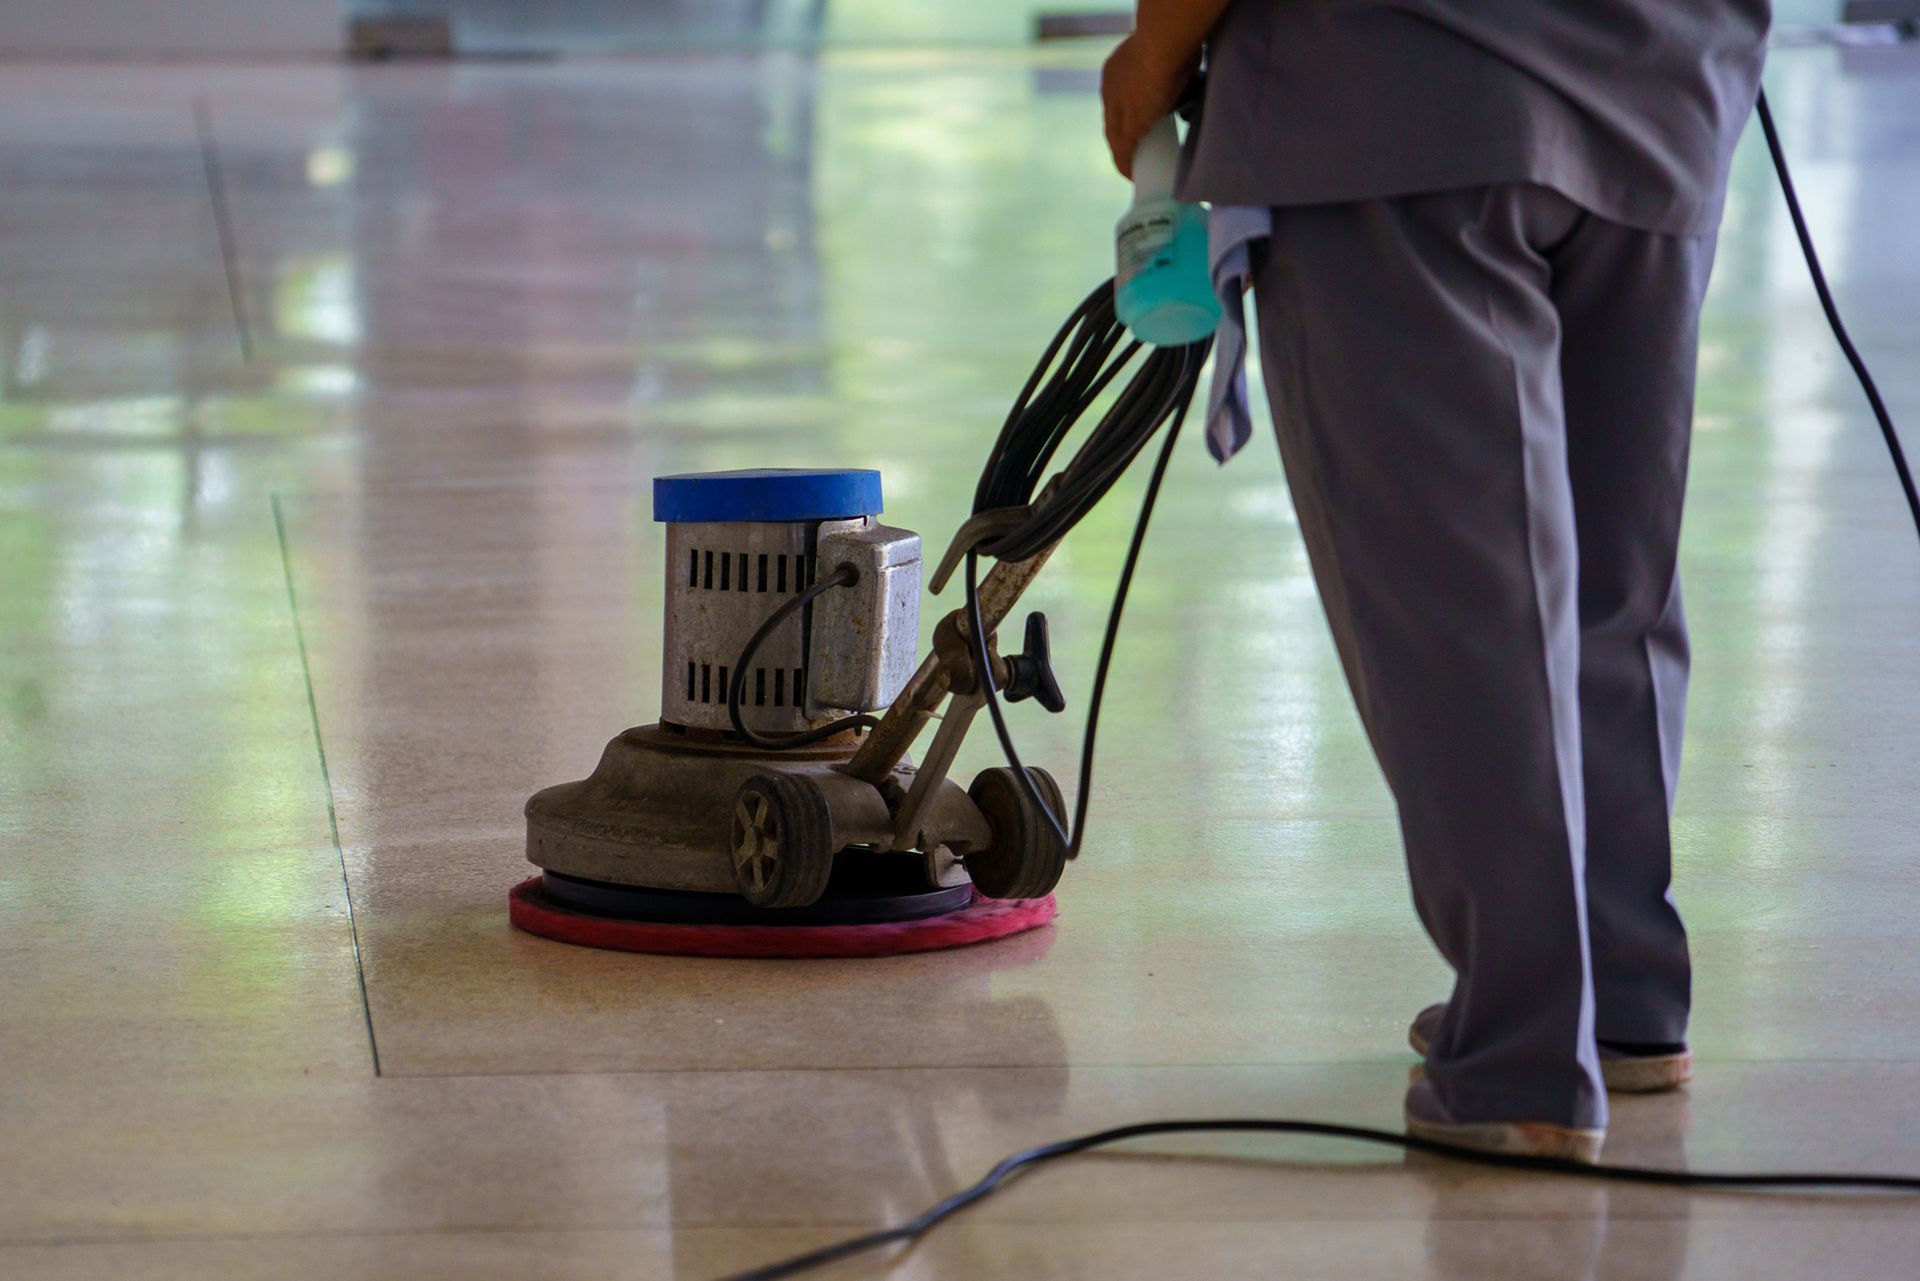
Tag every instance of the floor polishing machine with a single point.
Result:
(768, 794)
(774, 808)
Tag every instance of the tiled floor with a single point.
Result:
(293, 627)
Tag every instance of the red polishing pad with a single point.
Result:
(980, 921)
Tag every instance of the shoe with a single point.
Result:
(1426, 1119)
(1635, 1069)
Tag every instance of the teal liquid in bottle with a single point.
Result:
(1161, 288)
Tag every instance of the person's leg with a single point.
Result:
(1412, 356)
(1629, 305)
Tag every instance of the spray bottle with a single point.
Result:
(1162, 290)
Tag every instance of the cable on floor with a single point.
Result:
(995, 1178)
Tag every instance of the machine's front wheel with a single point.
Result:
(782, 841)
(1027, 856)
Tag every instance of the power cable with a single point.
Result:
(1852, 353)
(844, 576)
(934, 1215)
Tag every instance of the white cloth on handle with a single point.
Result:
(1231, 233)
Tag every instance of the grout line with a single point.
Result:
(326, 777)
(858, 1069)
(222, 222)
(1871, 1213)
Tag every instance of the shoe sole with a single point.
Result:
(1515, 1138)
(1647, 1074)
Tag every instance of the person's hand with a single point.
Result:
(1141, 82)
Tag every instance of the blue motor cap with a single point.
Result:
(767, 494)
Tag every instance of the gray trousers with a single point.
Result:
(1484, 399)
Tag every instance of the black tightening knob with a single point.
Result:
(1030, 674)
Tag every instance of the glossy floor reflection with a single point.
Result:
(293, 628)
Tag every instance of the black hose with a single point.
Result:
(935, 1214)
(1073, 839)
(844, 576)
(1083, 360)
(1840, 334)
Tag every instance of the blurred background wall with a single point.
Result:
(171, 27)
(239, 27)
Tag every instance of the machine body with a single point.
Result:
(686, 806)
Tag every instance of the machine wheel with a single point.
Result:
(1026, 857)
(782, 841)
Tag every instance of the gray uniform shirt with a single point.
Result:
(1630, 108)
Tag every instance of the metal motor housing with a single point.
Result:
(741, 543)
